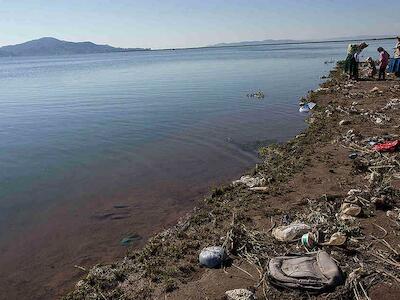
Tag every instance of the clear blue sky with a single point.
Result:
(187, 23)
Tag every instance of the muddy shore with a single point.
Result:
(305, 179)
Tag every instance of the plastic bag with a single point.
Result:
(387, 146)
(290, 232)
(212, 257)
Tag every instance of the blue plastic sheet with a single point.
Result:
(394, 65)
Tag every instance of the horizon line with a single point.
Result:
(277, 44)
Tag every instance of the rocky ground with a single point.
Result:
(307, 179)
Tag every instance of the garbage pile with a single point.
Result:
(379, 117)
(310, 253)
(312, 249)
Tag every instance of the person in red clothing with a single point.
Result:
(383, 62)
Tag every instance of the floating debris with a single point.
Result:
(257, 94)
(307, 107)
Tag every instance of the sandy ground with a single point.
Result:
(306, 179)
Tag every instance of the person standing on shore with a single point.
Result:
(383, 62)
(352, 59)
(397, 55)
(397, 48)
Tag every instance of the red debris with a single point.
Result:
(391, 146)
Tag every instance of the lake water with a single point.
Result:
(98, 147)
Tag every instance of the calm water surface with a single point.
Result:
(151, 131)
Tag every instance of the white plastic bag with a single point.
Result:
(290, 232)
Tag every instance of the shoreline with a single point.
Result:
(301, 176)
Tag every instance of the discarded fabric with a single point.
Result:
(391, 146)
(290, 232)
(212, 257)
(240, 294)
(315, 272)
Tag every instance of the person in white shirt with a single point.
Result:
(397, 48)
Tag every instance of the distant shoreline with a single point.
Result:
(253, 44)
(278, 44)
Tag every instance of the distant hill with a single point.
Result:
(52, 46)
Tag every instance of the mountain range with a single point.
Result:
(53, 46)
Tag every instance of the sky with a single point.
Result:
(192, 23)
